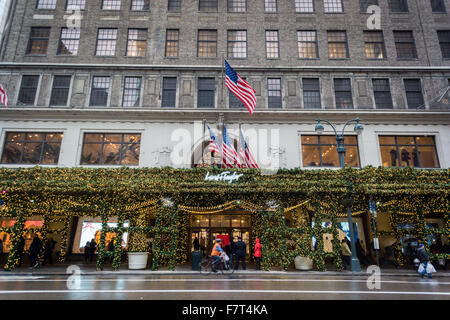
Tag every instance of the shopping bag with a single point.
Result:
(430, 268)
(226, 258)
(421, 268)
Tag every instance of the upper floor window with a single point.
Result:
(307, 45)
(374, 43)
(60, 90)
(404, 43)
(76, 4)
(398, 6)
(343, 93)
(364, 4)
(46, 4)
(337, 45)
(208, 5)
(382, 93)
(333, 6)
(444, 41)
(169, 92)
(270, 6)
(174, 5)
(32, 147)
(207, 44)
(414, 95)
(321, 151)
(237, 44)
(137, 43)
(304, 6)
(140, 5)
(206, 93)
(99, 91)
(408, 151)
(237, 5)
(274, 93)
(69, 41)
(272, 45)
(111, 149)
(111, 4)
(106, 42)
(28, 89)
(131, 92)
(311, 93)
(438, 6)
(172, 39)
(38, 42)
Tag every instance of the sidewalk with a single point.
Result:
(90, 270)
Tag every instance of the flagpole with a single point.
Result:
(222, 102)
(203, 142)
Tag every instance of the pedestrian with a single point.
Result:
(111, 250)
(196, 244)
(389, 256)
(35, 248)
(87, 251)
(20, 248)
(48, 251)
(257, 254)
(360, 253)
(345, 253)
(203, 245)
(93, 248)
(240, 253)
(216, 254)
(425, 264)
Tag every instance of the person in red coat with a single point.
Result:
(258, 254)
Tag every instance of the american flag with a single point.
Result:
(213, 146)
(246, 154)
(240, 88)
(3, 96)
(230, 157)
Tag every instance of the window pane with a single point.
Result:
(333, 6)
(51, 153)
(409, 156)
(311, 156)
(172, 43)
(69, 42)
(337, 45)
(169, 92)
(60, 90)
(425, 140)
(46, 4)
(207, 44)
(131, 91)
(310, 139)
(237, 44)
(32, 153)
(174, 6)
(12, 152)
(140, 5)
(38, 42)
(91, 154)
(76, 4)
(28, 90)
(111, 155)
(428, 157)
(106, 42)
(237, 5)
(307, 44)
(389, 156)
(208, 5)
(111, 4)
(351, 156)
(304, 6)
(330, 156)
(386, 140)
(270, 5)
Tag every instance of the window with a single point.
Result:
(234, 101)
(414, 95)
(111, 149)
(307, 45)
(237, 5)
(270, 5)
(311, 93)
(404, 43)
(444, 41)
(28, 88)
(382, 93)
(207, 43)
(272, 46)
(274, 93)
(76, 4)
(321, 151)
(131, 92)
(174, 6)
(99, 91)
(207, 5)
(408, 151)
(374, 43)
(398, 6)
(69, 41)
(343, 94)
(32, 148)
(206, 93)
(46, 4)
(140, 5)
(172, 38)
(364, 4)
(237, 44)
(304, 6)
(38, 42)
(106, 42)
(337, 45)
(333, 6)
(60, 90)
(111, 4)
(438, 6)
(137, 43)
(169, 92)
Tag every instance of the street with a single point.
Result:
(219, 287)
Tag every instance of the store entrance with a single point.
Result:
(207, 227)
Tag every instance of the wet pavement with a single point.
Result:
(239, 286)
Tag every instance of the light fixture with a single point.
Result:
(319, 128)
(358, 127)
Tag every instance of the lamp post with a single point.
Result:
(348, 201)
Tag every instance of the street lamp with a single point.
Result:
(348, 201)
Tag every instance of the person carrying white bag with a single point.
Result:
(425, 264)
